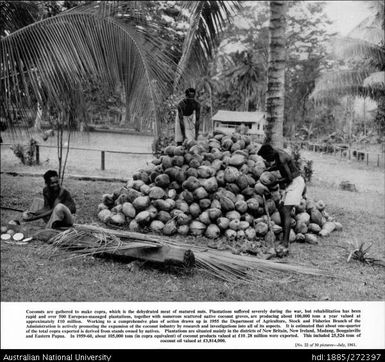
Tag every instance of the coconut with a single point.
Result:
(104, 215)
(170, 228)
(141, 203)
(214, 214)
(215, 204)
(250, 233)
(129, 210)
(270, 205)
(204, 204)
(234, 224)
(166, 162)
(261, 189)
(118, 219)
(178, 161)
(172, 194)
(194, 210)
(143, 217)
(261, 228)
(301, 207)
(212, 231)
(242, 182)
(267, 178)
(162, 181)
(134, 226)
(164, 216)
(301, 228)
(233, 215)
(237, 160)
(183, 219)
(156, 193)
(170, 150)
(243, 225)
(220, 176)
(101, 207)
(137, 184)
(18, 237)
(153, 211)
(210, 184)
(204, 217)
(191, 184)
(248, 192)
(116, 209)
(252, 205)
(108, 200)
(320, 205)
(223, 223)
(314, 228)
(230, 234)
(182, 205)
(316, 216)
(248, 217)
(197, 228)
(231, 174)
(311, 239)
(276, 217)
(338, 226)
(226, 203)
(277, 229)
(233, 187)
(188, 196)
(145, 189)
(183, 230)
(241, 206)
(303, 218)
(132, 195)
(5, 237)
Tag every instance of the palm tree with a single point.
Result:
(365, 45)
(276, 73)
(247, 78)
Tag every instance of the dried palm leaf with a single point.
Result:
(91, 239)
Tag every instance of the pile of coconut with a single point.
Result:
(218, 188)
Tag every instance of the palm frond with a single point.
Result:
(207, 20)
(49, 58)
(16, 14)
(375, 80)
(87, 240)
(341, 83)
(357, 48)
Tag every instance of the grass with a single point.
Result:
(28, 276)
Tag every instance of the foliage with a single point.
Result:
(304, 165)
(26, 154)
(363, 69)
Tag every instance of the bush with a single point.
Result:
(26, 154)
(304, 165)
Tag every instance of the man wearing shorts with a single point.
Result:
(187, 118)
(291, 181)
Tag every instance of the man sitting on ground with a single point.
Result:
(291, 181)
(57, 208)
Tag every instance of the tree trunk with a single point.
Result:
(276, 73)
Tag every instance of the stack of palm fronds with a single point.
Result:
(83, 240)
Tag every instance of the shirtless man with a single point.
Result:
(291, 181)
(187, 119)
(57, 208)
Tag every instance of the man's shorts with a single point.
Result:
(293, 192)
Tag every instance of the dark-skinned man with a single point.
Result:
(57, 208)
(291, 181)
(188, 118)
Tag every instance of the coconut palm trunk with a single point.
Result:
(276, 73)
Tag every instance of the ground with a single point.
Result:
(28, 275)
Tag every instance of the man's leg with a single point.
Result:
(61, 217)
(285, 212)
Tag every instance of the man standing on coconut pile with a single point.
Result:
(187, 118)
(291, 181)
(57, 208)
